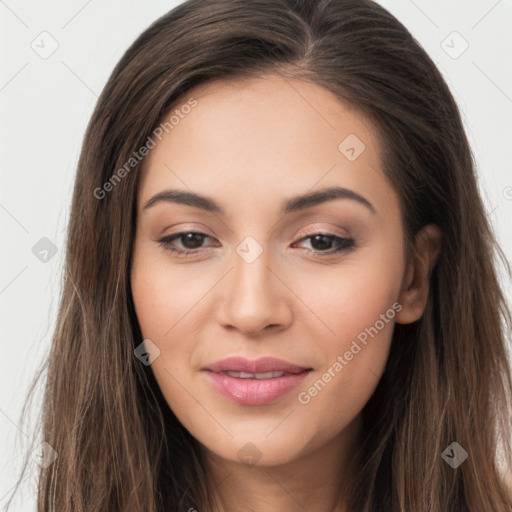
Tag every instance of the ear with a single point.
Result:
(416, 283)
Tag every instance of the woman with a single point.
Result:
(280, 291)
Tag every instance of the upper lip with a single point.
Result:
(262, 365)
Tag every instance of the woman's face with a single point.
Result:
(279, 268)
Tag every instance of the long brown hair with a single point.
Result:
(448, 377)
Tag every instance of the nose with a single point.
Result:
(255, 297)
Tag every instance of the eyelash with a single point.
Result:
(346, 244)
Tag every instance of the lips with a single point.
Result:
(254, 382)
(263, 365)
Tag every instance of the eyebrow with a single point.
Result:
(293, 204)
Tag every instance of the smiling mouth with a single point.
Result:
(257, 376)
(249, 367)
(253, 389)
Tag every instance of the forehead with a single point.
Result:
(265, 137)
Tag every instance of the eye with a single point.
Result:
(322, 243)
(190, 240)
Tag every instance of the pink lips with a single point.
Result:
(252, 390)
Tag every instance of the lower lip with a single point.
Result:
(255, 391)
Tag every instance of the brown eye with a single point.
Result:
(323, 243)
(190, 242)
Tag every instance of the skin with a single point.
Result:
(250, 146)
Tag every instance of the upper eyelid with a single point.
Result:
(325, 232)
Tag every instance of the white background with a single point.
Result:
(45, 105)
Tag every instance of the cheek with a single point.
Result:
(163, 296)
(164, 302)
(169, 303)
(358, 304)
(354, 360)
(353, 295)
